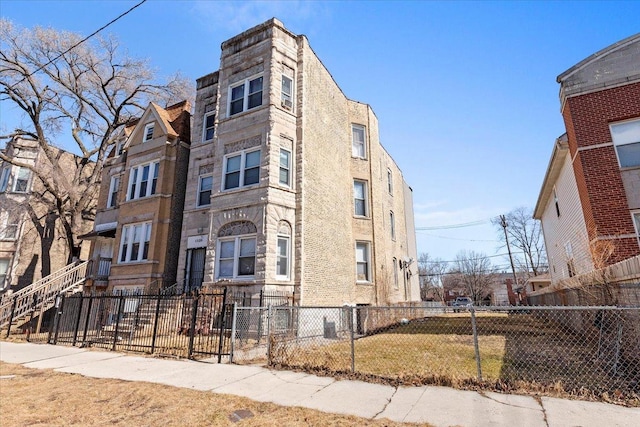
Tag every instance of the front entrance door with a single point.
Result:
(195, 268)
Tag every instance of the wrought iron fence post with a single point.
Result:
(59, 308)
(474, 327)
(353, 350)
(117, 329)
(13, 312)
(233, 331)
(192, 326)
(269, 335)
(77, 325)
(86, 322)
(155, 322)
(222, 324)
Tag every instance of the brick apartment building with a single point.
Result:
(289, 188)
(590, 199)
(136, 236)
(32, 243)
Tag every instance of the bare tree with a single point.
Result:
(525, 234)
(474, 273)
(83, 91)
(431, 272)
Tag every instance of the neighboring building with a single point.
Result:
(589, 203)
(32, 243)
(137, 228)
(289, 188)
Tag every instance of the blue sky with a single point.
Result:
(465, 92)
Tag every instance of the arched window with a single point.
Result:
(236, 250)
(283, 256)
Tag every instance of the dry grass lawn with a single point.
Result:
(33, 397)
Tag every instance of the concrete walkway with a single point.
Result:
(440, 406)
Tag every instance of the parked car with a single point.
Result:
(462, 303)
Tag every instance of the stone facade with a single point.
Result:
(32, 243)
(597, 95)
(139, 219)
(273, 175)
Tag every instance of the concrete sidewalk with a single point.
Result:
(440, 406)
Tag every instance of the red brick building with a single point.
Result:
(589, 203)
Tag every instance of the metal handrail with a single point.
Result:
(41, 293)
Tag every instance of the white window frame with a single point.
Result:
(146, 136)
(358, 148)
(128, 241)
(4, 178)
(16, 179)
(7, 225)
(243, 160)
(364, 200)
(286, 168)
(286, 98)
(286, 257)
(392, 225)
(135, 181)
(367, 261)
(635, 216)
(246, 84)
(390, 181)
(200, 190)
(114, 187)
(4, 271)
(626, 133)
(205, 128)
(237, 243)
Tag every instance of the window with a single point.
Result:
(282, 258)
(4, 267)
(359, 143)
(287, 93)
(9, 226)
(555, 200)
(363, 261)
(245, 96)
(285, 167)
(360, 198)
(636, 221)
(148, 132)
(120, 148)
(568, 249)
(4, 179)
(392, 225)
(209, 122)
(22, 180)
(204, 190)
(395, 273)
(113, 192)
(134, 243)
(236, 251)
(626, 139)
(242, 169)
(389, 181)
(139, 180)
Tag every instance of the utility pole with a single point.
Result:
(503, 223)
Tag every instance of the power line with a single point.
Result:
(78, 43)
(461, 225)
(466, 240)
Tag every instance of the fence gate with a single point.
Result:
(210, 325)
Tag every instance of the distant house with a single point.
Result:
(289, 187)
(589, 203)
(32, 243)
(136, 236)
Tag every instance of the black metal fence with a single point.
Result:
(191, 326)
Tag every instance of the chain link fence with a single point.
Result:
(588, 352)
